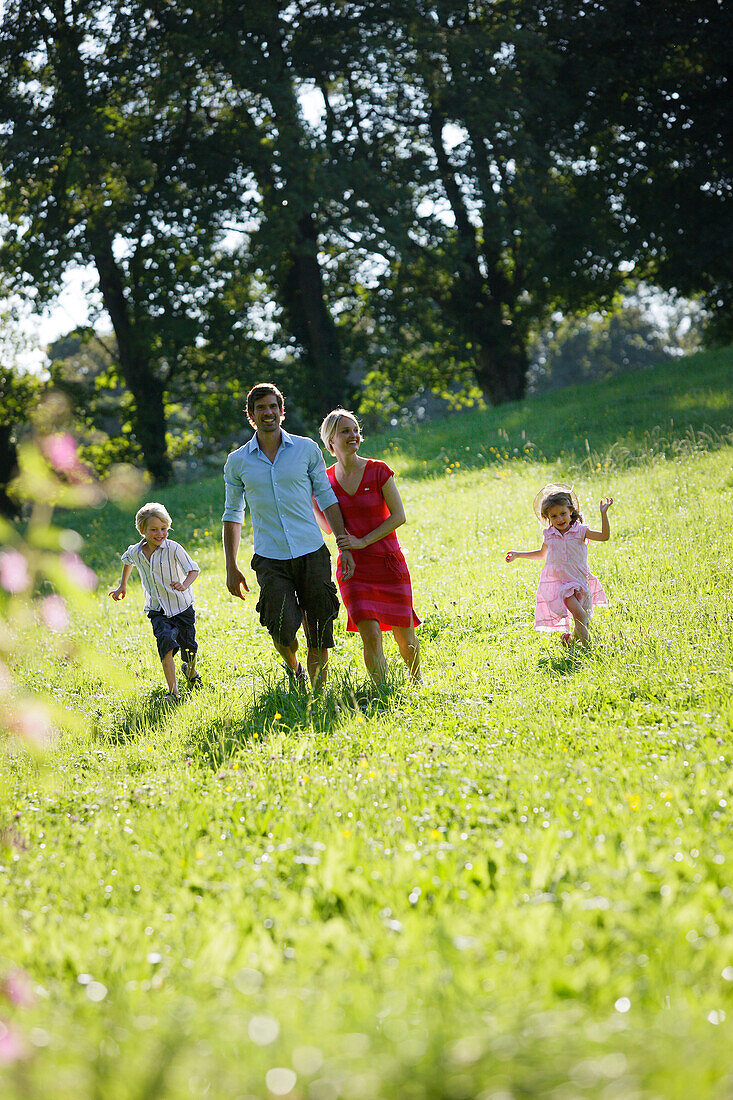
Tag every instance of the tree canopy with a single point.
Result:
(334, 191)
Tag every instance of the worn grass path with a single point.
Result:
(513, 883)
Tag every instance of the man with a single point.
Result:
(278, 475)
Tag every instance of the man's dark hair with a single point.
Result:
(262, 389)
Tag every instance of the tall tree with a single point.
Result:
(250, 57)
(109, 158)
(476, 191)
(654, 96)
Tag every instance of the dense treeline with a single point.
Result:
(393, 191)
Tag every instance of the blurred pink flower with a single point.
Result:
(14, 575)
(12, 1047)
(60, 450)
(78, 572)
(6, 680)
(54, 613)
(32, 722)
(16, 986)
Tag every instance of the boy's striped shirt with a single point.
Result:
(168, 562)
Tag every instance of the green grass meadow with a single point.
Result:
(515, 882)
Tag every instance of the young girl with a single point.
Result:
(567, 591)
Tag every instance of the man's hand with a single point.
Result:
(118, 593)
(348, 565)
(236, 581)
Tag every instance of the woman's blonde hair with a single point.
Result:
(330, 424)
(147, 512)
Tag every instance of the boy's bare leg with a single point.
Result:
(409, 648)
(169, 671)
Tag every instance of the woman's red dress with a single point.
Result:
(380, 587)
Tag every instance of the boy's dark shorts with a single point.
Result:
(174, 632)
(295, 591)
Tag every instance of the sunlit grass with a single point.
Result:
(514, 882)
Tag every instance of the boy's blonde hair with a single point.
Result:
(146, 513)
(330, 424)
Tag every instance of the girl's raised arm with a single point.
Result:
(605, 532)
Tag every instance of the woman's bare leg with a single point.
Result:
(371, 638)
(409, 647)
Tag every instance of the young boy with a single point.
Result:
(167, 573)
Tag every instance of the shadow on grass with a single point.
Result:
(280, 708)
(564, 663)
(135, 718)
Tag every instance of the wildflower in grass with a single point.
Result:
(277, 715)
(14, 574)
(280, 1080)
(263, 1030)
(54, 613)
(633, 801)
(11, 838)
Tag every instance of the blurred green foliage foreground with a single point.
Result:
(515, 882)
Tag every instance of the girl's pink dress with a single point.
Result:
(380, 588)
(565, 573)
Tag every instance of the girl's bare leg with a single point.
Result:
(169, 671)
(580, 618)
(409, 648)
(371, 638)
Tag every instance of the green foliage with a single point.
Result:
(586, 349)
(473, 168)
(19, 394)
(654, 97)
(513, 881)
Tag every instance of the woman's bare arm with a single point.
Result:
(397, 517)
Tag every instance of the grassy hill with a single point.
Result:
(514, 882)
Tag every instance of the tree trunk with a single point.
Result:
(297, 271)
(501, 370)
(149, 421)
(304, 300)
(146, 389)
(480, 305)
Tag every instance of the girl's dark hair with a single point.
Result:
(552, 500)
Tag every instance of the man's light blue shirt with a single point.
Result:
(279, 495)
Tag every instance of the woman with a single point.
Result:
(379, 594)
